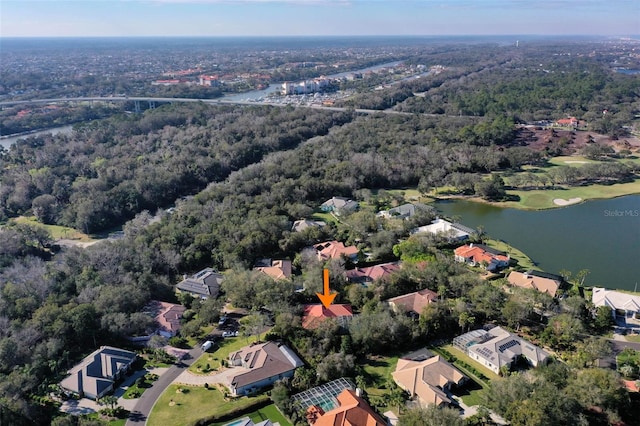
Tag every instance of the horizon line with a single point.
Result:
(316, 35)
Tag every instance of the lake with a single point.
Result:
(602, 236)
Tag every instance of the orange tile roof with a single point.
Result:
(316, 313)
(478, 254)
(334, 250)
(414, 301)
(543, 285)
(352, 411)
(374, 272)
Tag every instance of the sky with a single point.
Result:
(108, 18)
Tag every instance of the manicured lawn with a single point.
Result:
(323, 216)
(543, 198)
(269, 412)
(57, 232)
(523, 260)
(182, 408)
(204, 331)
(464, 357)
(633, 338)
(224, 348)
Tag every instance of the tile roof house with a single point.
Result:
(534, 281)
(339, 204)
(301, 225)
(335, 250)
(629, 304)
(405, 211)
(352, 411)
(497, 348)
(413, 303)
(428, 378)
(276, 269)
(478, 254)
(95, 375)
(167, 315)
(373, 273)
(453, 231)
(261, 365)
(204, 284)
(314, 314)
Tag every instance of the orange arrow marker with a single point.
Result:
(326, 298)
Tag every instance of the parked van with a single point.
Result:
(207, 345)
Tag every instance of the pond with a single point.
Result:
(602, 236)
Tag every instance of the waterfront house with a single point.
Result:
(544, 283)
(622, 304)
(478, 254)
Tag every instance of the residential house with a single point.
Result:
(498, 348)
(302, 224)
(336, 250)
(276, 269)
(413, 303)
(450, 230)
(167, 315)
(405, 211)
(427, 377)
(204, 284)
(316, 313)
(95, 376)
(535, 280)
(338, 205)
(368, 275)
(567, 122)
(261, 365)
(621, 304)
(351, 411)
(478, 254)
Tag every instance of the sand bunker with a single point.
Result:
(576, 162)
(563, 202)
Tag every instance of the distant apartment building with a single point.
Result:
(305, 87)
(209, 80)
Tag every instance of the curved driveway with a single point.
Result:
(145, 404)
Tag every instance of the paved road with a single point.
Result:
(141, 411)
(217, 101)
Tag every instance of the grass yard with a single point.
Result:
(224, 348)
(378, 371)
(57, 232)
(269, 412)
(324, 216)
(633, 338)
(539, 199)
(183, 408)
(523, 260)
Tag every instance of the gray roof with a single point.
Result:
(205, 283)
(95, 374)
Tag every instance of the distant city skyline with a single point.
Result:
(110, 18)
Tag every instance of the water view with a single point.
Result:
(602, 236)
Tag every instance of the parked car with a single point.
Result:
(222, 320)
(230, 334)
